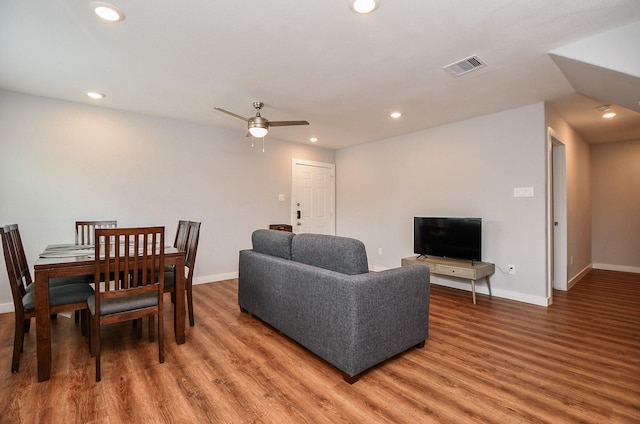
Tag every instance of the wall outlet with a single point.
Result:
(380, 251)
(512, 269)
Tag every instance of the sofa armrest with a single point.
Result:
(392, 315)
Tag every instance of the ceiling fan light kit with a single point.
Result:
(257, 131)
(258, 126)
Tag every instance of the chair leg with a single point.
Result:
(83, 321)
(18, 342)
(98, 376)
(27, 325)
(95, 335)
(190, 305)
(137, 323)
(152, 328)
(90, 333)
(161, 336)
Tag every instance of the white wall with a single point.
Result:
(467, 169)
(616, 205)
(61, 162)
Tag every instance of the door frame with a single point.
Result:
(332, 167)
(557, 270)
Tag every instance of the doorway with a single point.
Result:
(313, 197)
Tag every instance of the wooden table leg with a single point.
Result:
(179, 307)
(473, 290)
(43, 325)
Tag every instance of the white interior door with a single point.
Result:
(313, 197)
(560, 268)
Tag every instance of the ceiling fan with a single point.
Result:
(259, 126)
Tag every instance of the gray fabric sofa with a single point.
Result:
(318, 290)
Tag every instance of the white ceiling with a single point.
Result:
(317, 60)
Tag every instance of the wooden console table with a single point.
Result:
(281, 227)
(456, 268)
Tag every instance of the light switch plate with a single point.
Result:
(523, 192)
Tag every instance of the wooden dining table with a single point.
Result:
(73, 260)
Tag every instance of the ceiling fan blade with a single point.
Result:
(231, 113)
(286, 123)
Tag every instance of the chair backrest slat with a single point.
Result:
(85, 230)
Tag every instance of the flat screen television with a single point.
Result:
(457, 238)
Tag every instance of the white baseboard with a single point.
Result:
(579, 276)
(622, 268)
(6, 307)
(216, 277)
(481, 288)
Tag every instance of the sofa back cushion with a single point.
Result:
(340, 254)
(272, 242)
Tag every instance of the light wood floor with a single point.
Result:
(496, 362)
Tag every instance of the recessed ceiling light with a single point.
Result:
(608, 112)
(395, 115)
(107, 11)
(313, 139)
(364, 6)
(95, 95)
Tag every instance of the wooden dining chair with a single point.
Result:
(134, 257)
(16, 239)
(62, 297)
(84, 236)
(191, 249)
(85, 229)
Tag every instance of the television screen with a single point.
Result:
(457, 238)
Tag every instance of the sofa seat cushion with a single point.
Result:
(273, 242)
(339, 254)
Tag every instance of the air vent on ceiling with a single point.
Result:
(465, 66)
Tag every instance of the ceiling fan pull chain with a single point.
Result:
(262, 144)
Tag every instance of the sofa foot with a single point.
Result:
(420, 345)
(350, 379)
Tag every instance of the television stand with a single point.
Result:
(459, 268)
